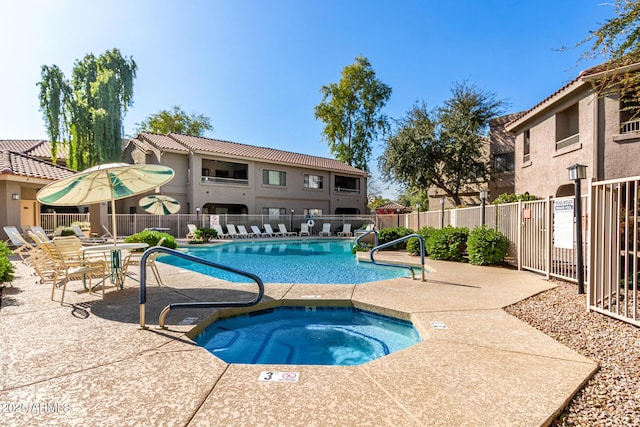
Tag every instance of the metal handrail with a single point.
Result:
(360, 234)
(394, 242)
(165, 311)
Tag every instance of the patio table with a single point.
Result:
(116, 257)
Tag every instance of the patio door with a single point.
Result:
(28, 212)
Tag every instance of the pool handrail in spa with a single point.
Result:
(207, 304)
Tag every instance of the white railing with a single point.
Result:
(632, 126)
(573, 139)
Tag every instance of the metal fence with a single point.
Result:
(615, 252)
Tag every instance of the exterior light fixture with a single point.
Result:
(442, 212)
(483, 198)
(15, 196)
(578, 172)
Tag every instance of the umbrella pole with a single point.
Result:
(113, 219)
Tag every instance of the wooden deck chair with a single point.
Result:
(22, 247)
(326, 229)
(283, 230)
(133, 259)
(270, 232)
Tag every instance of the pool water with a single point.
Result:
(307, 336)
(299, 261)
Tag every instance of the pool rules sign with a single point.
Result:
(563, 224)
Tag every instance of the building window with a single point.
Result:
(347, 184)
(312, 181)
(503, 162)
(629, 115)
(526, 146)
(274, 213)
(313, 212)
(271, 177)
(567, 127)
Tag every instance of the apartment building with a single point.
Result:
(218, 177)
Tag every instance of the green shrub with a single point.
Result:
(413, 245)
(6, 268)
(205, 234)
(486, 246)
(152, 237)
(512, 198)
(448, 243)
(358, 248)
(387, 235)
(64, 231)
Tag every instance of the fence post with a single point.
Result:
(519, 243)
(549, 236)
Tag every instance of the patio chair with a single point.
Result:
(22, 247)
(191, 233)
(244, 233)
(270, 232)
(221, 234)
(232, 232)
(326, 229)
(257, 232)
(88, 240)
(283, 230)
(304, 229)
(134, 259)
(39, 231)
(60, 268)
(346, 231)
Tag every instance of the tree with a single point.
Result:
(414, 197)
(351, 112)
(618, 40)
(176, 121)
(444, 147)
(87, 112)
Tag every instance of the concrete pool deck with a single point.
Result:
(87, 363)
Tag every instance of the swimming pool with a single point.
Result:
(289, 261)
(307, 336)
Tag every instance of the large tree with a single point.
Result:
(86, 113)
(443, 147)
(351, 112)
(176, 121)
(618, 42)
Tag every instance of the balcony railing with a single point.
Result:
(632, 126)
(347, 190)
(228, 181)
(573, 139)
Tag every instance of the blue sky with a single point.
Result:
(255, 67)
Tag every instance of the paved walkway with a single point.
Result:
(86, 363)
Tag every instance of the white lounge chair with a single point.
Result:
(242, 231)
(326, 229)
(304, 229)
(221, 234)
(346, 231)
(270, 232)
(88, 240)
(191, 233)
(232, 232)
(283, 230)
(257, 232)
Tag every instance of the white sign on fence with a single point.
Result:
(214, 220)
(563, 224)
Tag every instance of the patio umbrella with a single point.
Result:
(104, 183)
(157, 204)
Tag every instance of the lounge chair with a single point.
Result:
(221, 234)
(23, 248)
(270, 232)
(257, 232)
(191, 233)
(242, 231)
(232, 232)
(133, 259)
(88, 240)
(284, 231)
(326, 229)
(63, 269)
(304, 229)
(346, 231)
(39, 231)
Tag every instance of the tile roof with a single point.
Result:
(14, 163)
(33, 147)
(178, 142)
